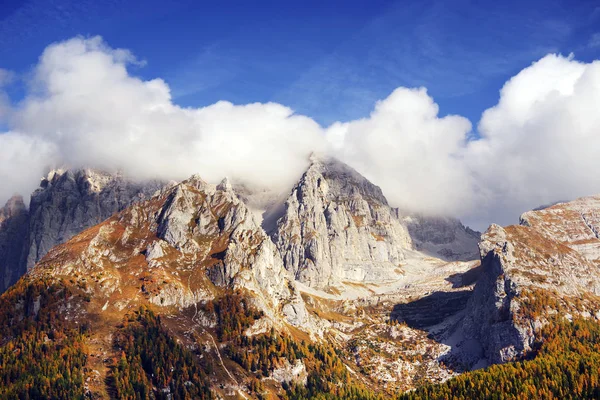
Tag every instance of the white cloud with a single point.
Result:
(539, 144)
(84, 104)
(412, 153)
(22, 158)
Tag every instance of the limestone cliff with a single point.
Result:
(178, 248)
(337, 226)
(70, 201)
(14, 219)
(548, 264)
(66, 203)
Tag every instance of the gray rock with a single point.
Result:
(541, 261)
(337, 226)
(490, 317)
(67, 202)
(208, 222)
(14, 220)
(442, 237)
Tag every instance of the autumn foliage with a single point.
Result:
(567, 366)
(42, 355)
(152, 365)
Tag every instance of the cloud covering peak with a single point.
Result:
(538, 144)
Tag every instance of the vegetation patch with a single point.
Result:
(42, 355)
(152, 365)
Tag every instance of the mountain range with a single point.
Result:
(129, 289)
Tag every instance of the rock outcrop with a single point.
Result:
(14, 220)
(531, 271)
(178, 248)
(442, 237)
(575, 223)
(66, 203)
(337, 226)
(70, 201)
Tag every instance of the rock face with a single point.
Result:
(529, 272)
(68, 202)
(337, 226)
(14, 219)
(443, 237)
(575, 223)
(178, 248)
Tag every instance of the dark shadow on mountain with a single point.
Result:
(432, 309)
(464, 279)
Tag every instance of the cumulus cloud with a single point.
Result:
(86, 107)
(539, 144)
(22, 159)
(410, 151)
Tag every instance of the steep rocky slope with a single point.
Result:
(176, 249)
(14, 219)
(366, 287)
(66, 203)
(337, 227)
(544, 266)
(575, 223)
(70, 201)
(190, 244)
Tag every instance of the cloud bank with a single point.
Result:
(539, 144)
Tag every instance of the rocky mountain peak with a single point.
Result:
(528, 272)
(179, 247)
(338, 227)
(66, 203)
(69, 201)
(225, 185)
(575, 223)
(341, 182)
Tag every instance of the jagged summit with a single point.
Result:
(339, 264)
(66, 203)
(575, 223)
(334, 226)
(13, 206)
(338, 227)
(344, 181)
(529, 272)
(177, 248)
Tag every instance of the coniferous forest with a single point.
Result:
(151, 358)
(44, 356)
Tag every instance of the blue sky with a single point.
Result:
(328, 60)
